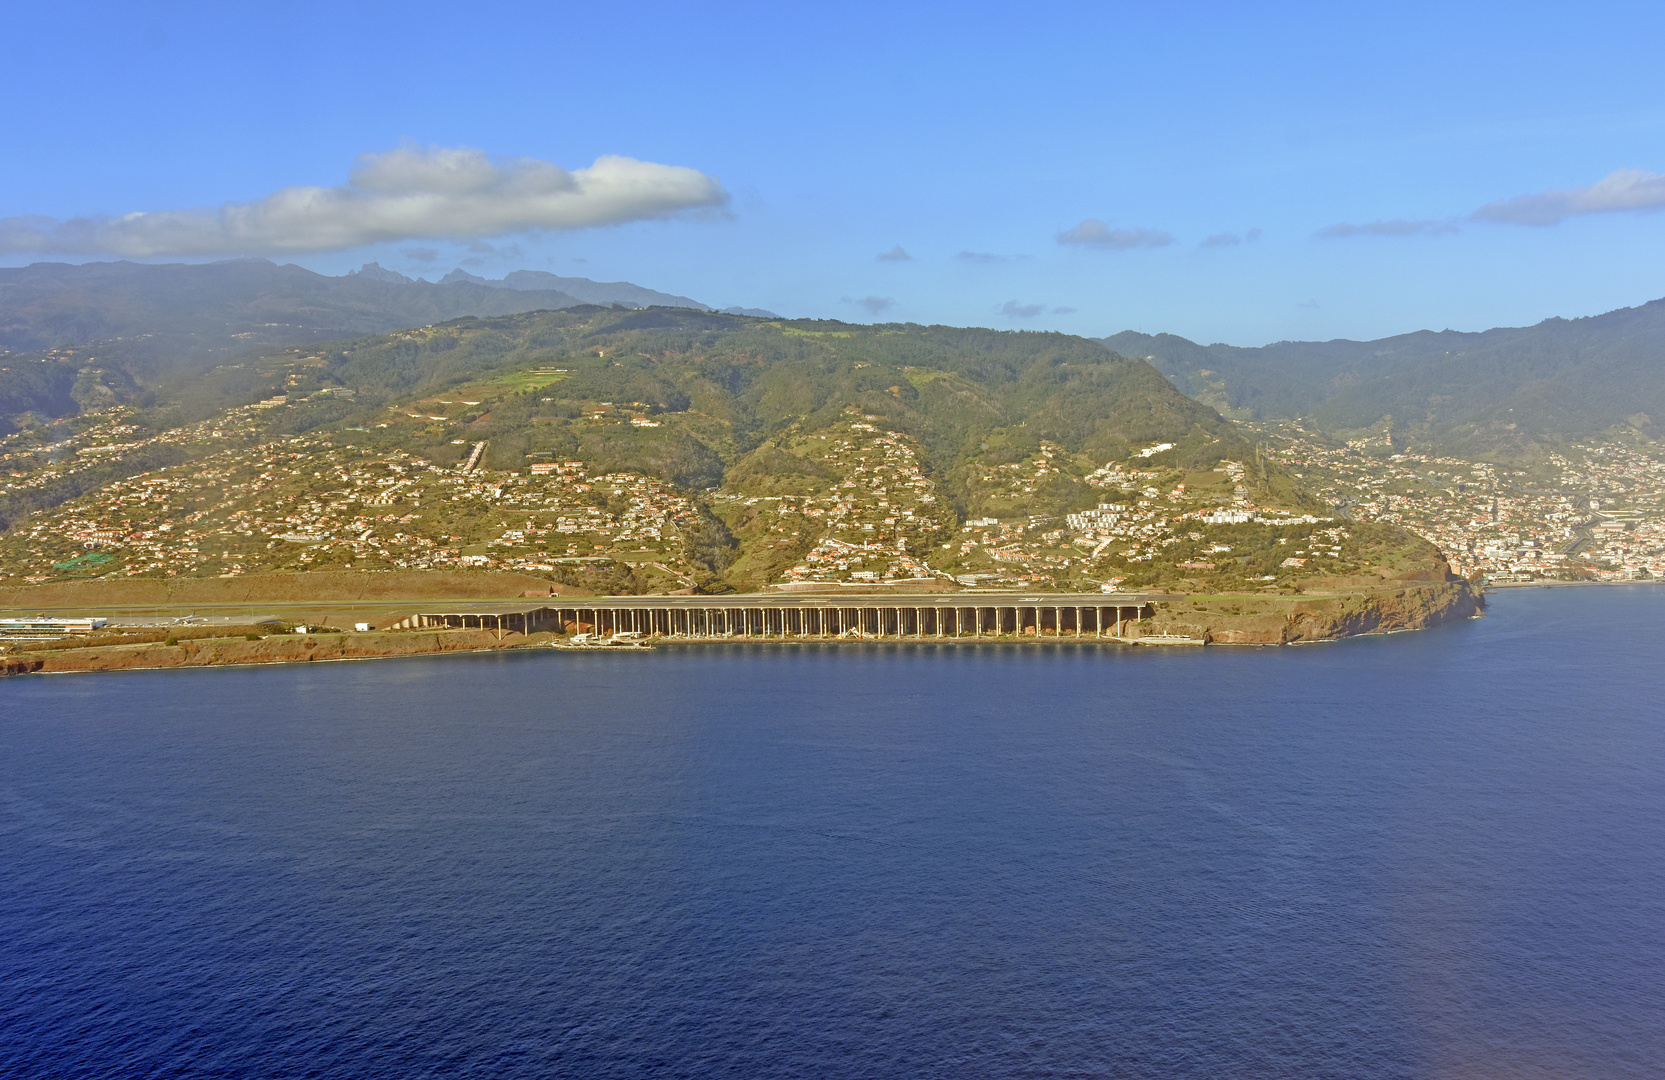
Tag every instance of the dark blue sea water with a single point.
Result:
(1428, 855)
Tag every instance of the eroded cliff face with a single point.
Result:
(1282, 621)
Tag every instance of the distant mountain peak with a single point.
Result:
(377, 272)
(585, 291)
(459, 276)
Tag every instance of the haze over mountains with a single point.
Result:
(1473, 392)
(158, 320)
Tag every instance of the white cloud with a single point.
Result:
(1095, 233)
(1621, 190)
(1014, 310)
(413, 192)
(895, 254)
(1342, 230)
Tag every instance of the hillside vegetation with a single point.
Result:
(738, 381)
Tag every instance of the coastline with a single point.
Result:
(1180, 620)
(1551, 584)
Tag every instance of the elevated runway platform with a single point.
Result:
(801, 615)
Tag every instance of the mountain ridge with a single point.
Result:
(1471, 390)
(157, 316)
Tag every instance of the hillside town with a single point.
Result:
(870, 507)
(1592, 512)
(306, 502)
(849, 504)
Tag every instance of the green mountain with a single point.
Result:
(1477, 393)
(740, 381)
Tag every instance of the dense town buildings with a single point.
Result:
(1588, 511)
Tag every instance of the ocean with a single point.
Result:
(1436, 854)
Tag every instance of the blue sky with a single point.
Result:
(777, 151)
